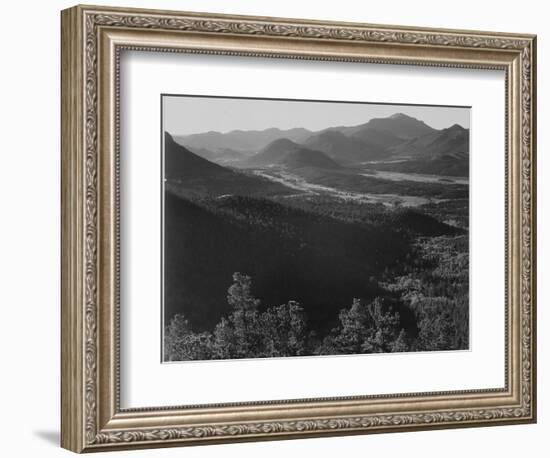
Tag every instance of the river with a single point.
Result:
(298, 183)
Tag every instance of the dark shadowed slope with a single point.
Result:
(321, 257)
(182, 164)
(290, 254)
(185, 170)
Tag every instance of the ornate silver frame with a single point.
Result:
(92, 38)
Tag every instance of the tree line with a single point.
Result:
(247, 332)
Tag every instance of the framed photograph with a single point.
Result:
(278, 228)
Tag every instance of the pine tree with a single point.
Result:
(366, 328)
(355, 327)
(244, 317)
(181, 344)
(284, 330)
(387, 326)
(173, 333)
(223, 344)
(400, 344)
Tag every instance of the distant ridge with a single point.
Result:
(398, 136)
(454, 139)
(250, 141)
(222, 156)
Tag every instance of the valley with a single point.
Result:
(300, 184)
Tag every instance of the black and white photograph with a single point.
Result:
(313, 228)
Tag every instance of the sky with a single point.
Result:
(184, 115)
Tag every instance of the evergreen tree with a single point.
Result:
(223, 342)
(436, 332)
(174, 331)
(355, 327)
(284, 330)
(386, 324)
(400, 344)
(181, 344)
(366, 328)
(245, 316)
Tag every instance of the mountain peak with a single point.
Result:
(456, 127)
(401, 116)
(274, 152)
(400, 125)
(281, 143)
(287, 153)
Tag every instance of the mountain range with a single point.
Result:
(247, 141)
(418, 147)
(398, 126)
(454, 139)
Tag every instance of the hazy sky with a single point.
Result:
(184, 115)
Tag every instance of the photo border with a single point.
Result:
(282, 99)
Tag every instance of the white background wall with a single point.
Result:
(29, 226)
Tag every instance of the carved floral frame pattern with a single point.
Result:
(92, 19)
